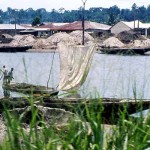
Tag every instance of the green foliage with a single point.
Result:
(111, 20)
(87, 133)
(36, 21)
(98, 14)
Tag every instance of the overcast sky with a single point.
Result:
(68, 4)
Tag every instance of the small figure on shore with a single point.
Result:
(7, 77)
(10, 76)
(4, 75)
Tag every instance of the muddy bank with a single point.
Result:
(74, 38)
(123, 40)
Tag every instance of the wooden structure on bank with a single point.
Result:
(26, 88)
(49, 97)
(129, 51)
(13, 49)
(109, 108)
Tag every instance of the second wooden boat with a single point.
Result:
(31, 89)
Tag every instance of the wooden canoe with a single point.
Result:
(126, 51)
(108, 107)
(31, 89)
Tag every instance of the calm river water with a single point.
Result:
(109, 76)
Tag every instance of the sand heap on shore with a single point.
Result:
(41, 44)
(61, 38)
(53, 41)
(78, 36)
(113, 42)
(141, 43)
(129, 40)
(74, 38)
(23, 40)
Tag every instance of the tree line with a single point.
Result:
(109, 15)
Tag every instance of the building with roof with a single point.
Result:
(11, 29)
(54, 23)
(91, 27)
(37, 32)
(142, 28)
(51, 28)
(44, 29)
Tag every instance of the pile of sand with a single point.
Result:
(23, 40)
(78, 36)
(41, 44)
(141, 43)
(53, 41)
(113, 42)
(61, 38)
(74, 38)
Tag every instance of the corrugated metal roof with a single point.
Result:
(141, 25)
(36, 29)
(49, 26)
(41, 29)
(10, 27)
(59, 24)
(100, 26)
(77, 25)
(27, 26)
(28, 30)
(71, 26)
(54, 23)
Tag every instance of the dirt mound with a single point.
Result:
(61, 37)
(23, 40)
(129, 36)
(141, 43)
(41, 44)
(78, 36)
(113, 42)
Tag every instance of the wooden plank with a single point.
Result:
(30, 89)
(108, 107)
(40, 95)
(105, 102)
(132, 51)
(14, 49)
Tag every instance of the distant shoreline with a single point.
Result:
(42, 50)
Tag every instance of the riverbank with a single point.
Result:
(42, 51)
(38, 127)
(126, 40)
(114, 75)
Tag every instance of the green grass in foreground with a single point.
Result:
(86, 134)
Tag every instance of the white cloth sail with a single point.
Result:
(75, 62)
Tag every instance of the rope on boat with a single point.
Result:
(51, 68)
